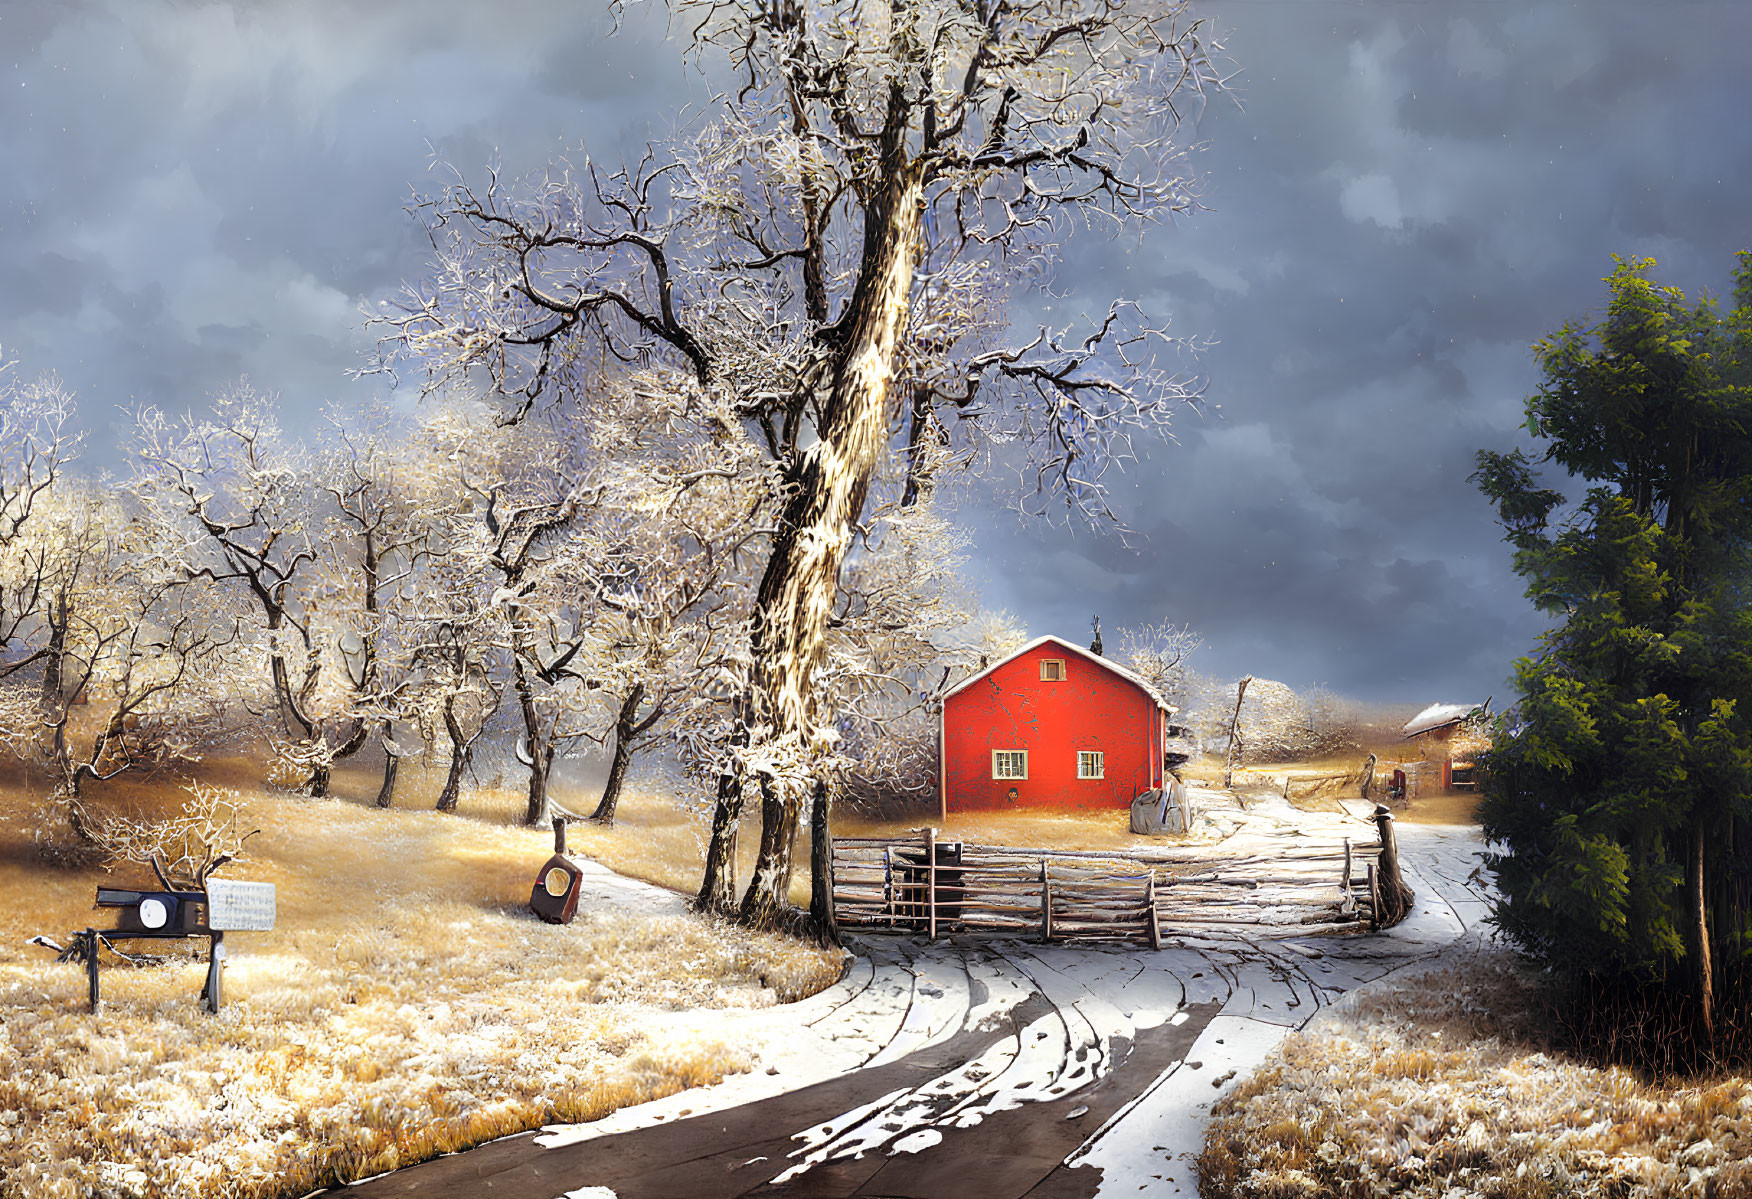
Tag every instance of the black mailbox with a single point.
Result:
(225, 905)
(156, 913)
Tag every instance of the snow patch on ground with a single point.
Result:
(903, 996)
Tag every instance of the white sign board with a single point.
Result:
(246, 907)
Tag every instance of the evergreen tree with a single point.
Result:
(1619, 786)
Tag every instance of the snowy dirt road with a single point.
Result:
(980, 1069)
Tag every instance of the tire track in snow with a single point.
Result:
(977, 1070)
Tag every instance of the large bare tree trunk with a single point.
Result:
(625, 725)
(827, 486)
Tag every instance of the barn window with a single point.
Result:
(1010, 764)
(1052, 670)
(1091, 764)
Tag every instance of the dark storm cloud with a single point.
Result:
(1413, 193)
(199, 191)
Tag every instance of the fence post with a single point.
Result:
(1151, 914)
(1344, 882)
(91, 967)
(931, 883)
(888, 884)
(1374, 900)
(1396, 897)
(1045, 903)
(1233, 754)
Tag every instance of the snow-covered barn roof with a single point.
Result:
(1087, 655)
(1441, 715)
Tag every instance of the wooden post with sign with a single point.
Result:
(211, 994)
(233, 906)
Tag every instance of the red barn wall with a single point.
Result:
(1012, 708)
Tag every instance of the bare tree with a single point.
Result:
(459, 688)
(184, 850)
(385, 510)
(36, 446)
(131, 645)
(1160, 654)
(612, 548)
(239, 502)
(520, 539)
(459, 669)
(835, 247)
(899, 638)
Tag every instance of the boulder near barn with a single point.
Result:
(1054, 725)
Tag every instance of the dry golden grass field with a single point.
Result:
(405, 1005)
(1455, 807)
(1445, 1084)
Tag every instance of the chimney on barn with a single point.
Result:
(1095, 645)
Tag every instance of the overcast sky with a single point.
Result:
(1408, 196)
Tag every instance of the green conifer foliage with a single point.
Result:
(1618, 786)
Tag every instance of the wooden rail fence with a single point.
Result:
(936, 887)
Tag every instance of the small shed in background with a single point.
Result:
(1054, 725)
(1450, 736)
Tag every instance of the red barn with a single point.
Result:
(1051, 726)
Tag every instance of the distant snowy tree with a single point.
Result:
(233, 501)
(133, 653)
(37, 443)
(110, 661)
(896, 642)
(614, 545)
(1160, 654)
(383, 511)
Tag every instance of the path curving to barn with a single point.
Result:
(978, 1069)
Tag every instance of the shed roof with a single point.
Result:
(1438, 716)
(1085, 654)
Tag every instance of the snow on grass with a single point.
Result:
(1045, 828)
(405, 1006)
(1443, 1085)
(651, 838)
